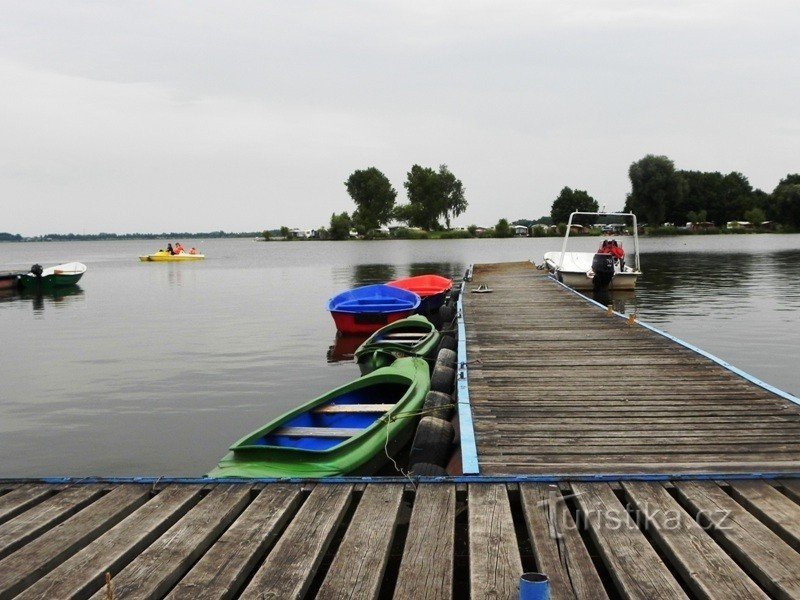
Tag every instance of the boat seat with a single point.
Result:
(354, 408)
(415, 335)
(318, 432)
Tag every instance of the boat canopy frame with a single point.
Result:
(603, 214)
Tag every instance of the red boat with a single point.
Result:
(432, 289)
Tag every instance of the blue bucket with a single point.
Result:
(534, 586)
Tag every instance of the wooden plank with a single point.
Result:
(83, 573)
(558, 546)
(426, 569)
(631, 561)
(162, 564)
(771, 507)
(319, 432)
(354, 408)
(494, 559)
(292, 564)
(761, 553)
(358, 567)
(223, 570)
(792, 487)
(17, 500)
(35, 559)
(705, 567)
(23, 528)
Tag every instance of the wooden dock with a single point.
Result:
(557, 386)
(643, 540)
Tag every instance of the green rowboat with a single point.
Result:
(412, 336)
(342, 432)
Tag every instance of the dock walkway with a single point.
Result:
(640, 540)
(557, 386)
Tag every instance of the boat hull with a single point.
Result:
(432, 290)
(171, 257)
(365, 323)
(389, 343)
(259, 456)
(580, 281)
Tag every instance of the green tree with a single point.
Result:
(569, 201)
(374, 196)
(755, 215)
(340, 226)
(786, 198)
(695, 217)
(656, 188)
(473, 230)
(503, 229)
(432, 195)
(286, 233)
(266, 235)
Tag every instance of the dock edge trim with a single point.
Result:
(469, 450)
(735, 370)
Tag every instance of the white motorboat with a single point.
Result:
(594, 271)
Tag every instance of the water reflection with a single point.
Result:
(344, 347)
(57, 298)
(374, 273)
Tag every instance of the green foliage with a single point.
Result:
(404, 233)
(266, 235)
(432, 196)
(787, 200)
(655, 187)
(340, 226)
(455, 234)
(756, 216)
(695, 217)
(473, 230)
(10, 237)
(374, 196)
(286, 232)
(569, 201)
(503, 229)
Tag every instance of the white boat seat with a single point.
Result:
(406, 335)
(318, 432)
(354, 408)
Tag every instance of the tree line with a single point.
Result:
(661, 194)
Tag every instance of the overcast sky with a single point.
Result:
(162, 116)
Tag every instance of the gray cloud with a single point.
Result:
(242, 115)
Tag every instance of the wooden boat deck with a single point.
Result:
(682, 539)
(559, 387)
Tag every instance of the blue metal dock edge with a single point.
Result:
(469, 451)
(737, 371)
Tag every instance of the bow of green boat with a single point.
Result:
(344, 431)
(412, 336)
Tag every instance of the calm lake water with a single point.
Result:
(154, 369)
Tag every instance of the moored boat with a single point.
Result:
(344, 431)
(162, 256)
(595, 271)
(57, 276)
(413, 336)
(432, 290)
(366, 309)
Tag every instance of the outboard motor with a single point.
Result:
(603, 268)
(36, 271)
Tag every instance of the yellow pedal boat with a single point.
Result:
(167, 257)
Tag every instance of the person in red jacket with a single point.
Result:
(605, 248)
(618, 253)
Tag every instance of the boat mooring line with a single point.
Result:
(590, 477)
(469, 450)
(736, 370)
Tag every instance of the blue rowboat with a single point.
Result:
(367, 309)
